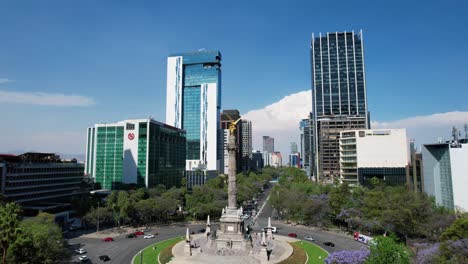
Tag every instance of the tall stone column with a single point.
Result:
(232, 188)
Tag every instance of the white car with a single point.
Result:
(149, 236)
(309, 238)
(80, 251)
(83, 258)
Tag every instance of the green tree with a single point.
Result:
(146, 209)
(385, 250)
(43, 240)
(156, 191)
(458, 230)
(339, 198)
(9, 226)
(124, 205)
(103, 214)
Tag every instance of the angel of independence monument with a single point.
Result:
(231, 230)
(231, 243)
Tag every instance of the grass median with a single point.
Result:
(316, 254)
(163, 250)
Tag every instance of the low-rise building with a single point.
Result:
(39, 180)
(381, 153)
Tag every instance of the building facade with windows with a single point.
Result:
(414, 178)
(445, 169)
(306, 146)
(365, 154)
(193, 103)
(143, 152)
(39, 180)
(295, 160)
(338, 96)
(268, 144)
(256, 162)
(246, 144)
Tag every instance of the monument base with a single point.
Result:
(188, 249)
(230, 234)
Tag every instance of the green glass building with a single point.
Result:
(143, 152)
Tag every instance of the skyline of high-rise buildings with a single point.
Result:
(193, 103)
(338, 96)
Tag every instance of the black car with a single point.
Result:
(202, 230)
(330, 244)
(104, 258)
(131, 235)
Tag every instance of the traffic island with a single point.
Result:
(160, 252)
(306, 252)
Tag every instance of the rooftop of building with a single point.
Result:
(200, 56)
(151, 120)
(357, 33)
(34, 157)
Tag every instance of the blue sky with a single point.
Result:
(112, 56)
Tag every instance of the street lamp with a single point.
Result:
(97, 217)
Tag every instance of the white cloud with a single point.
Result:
(38, 98)
(281, 121)
(428, 128)
(5, 80)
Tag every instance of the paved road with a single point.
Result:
(341, 241)
(123, 249)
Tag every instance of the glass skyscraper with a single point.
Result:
(338, 75)
(143, 152)
(338, 96)
(193, 103)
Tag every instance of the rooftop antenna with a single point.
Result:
(466, 131)
(455, 134)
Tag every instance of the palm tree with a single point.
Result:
(9, 226)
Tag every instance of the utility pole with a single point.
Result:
(97, 217)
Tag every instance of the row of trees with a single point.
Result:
(407, 217)
(377, 210)
(158, 205)
(34, 240)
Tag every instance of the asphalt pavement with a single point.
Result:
(341, 241)
(122, 249)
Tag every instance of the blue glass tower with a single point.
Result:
(193, 104)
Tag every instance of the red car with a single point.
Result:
(108, 239)
(139, 233)
(292, 235)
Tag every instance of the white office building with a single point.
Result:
(445, 167)
(381, 153)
